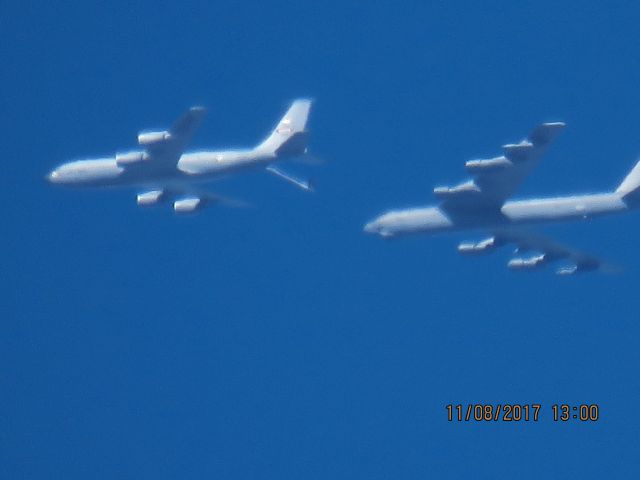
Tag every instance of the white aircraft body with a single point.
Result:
(162, 171)
(482, 204)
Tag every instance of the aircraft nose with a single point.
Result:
(371, 227)
(53, 177)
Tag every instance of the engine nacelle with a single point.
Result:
(188, 205)
(468, 188)
(127, 158)
(149, 138)
(527, 263)
(518, 151)
(570, 270)
(150, 198)
(584, 266)
(487, 165)
(470, 248)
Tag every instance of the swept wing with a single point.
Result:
(162, 149)
(497, 179)
(535, 251)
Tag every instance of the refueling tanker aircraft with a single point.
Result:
(483, 204)
(162, 171)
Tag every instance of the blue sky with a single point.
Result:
(279, 341)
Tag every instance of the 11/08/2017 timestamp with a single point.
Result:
(516, 412)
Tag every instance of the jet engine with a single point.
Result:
(127, 158)
(188, 205)
(570, 270)
(149, 138)
(531, 263)
(518, 151)
(485, 246)
(150, 198)
(487, 165)
(587, 265)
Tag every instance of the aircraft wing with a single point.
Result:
(497, 179)
(164, 148)
(535, 250)
(185, 200)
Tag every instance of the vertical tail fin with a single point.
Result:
(629, 189)
(290, 135)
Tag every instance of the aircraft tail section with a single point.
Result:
(629, 189)
(290, 135)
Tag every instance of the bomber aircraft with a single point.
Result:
(483, 204)
(161, 171)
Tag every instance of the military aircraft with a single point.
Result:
(162, 171)
(483, 204)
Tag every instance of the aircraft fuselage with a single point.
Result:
(192, 167)
(441, 218)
